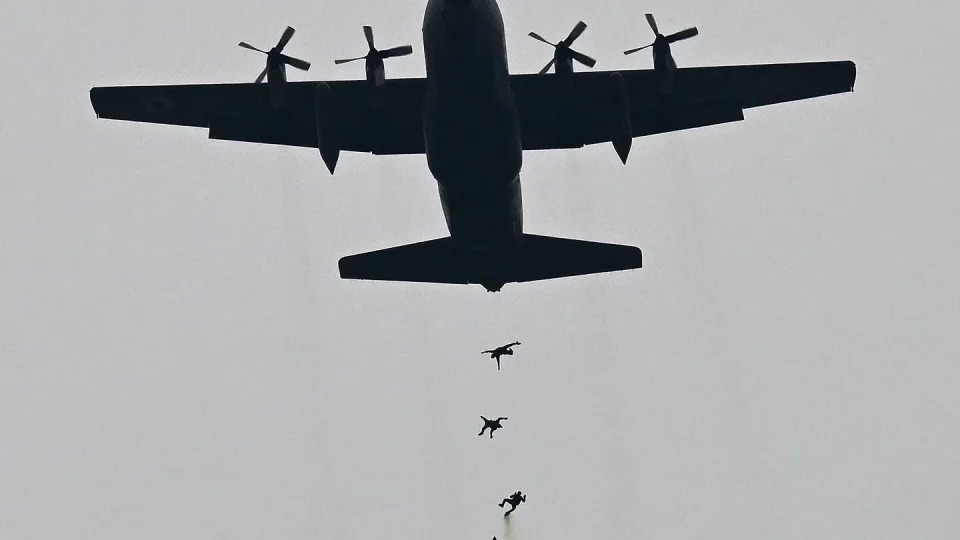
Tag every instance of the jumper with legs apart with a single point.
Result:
(501, 351)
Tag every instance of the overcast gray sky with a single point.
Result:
(179, 358)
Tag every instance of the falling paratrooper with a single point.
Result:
(502, 350)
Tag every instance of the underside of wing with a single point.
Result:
(765, 84)
(386, 123)
(594, 107)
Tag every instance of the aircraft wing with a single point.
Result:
(701, 96)
(391, 123)
(243, 112)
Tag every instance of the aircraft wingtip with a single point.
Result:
(93, 102)
(853, 73)
(95, 94)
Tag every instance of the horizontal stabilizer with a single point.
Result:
(533, 258)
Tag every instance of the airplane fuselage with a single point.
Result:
(471, 127)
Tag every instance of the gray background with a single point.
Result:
(179, 359)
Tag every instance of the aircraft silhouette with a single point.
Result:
(473, 120)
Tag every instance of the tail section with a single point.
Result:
(533, 258)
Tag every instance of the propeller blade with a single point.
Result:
(246, 45)
(631, 51)
(285, 38)
(295, 62)
(262, 75)
(547, 67)
(397, 51)
(347, 60)
(653, 23)
(575, 33)
(368, 33)
(582, 58)
(537, 37)
(683, 34)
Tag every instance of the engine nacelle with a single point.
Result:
(621, 133)
(663, 67)
(325, 116)
(276, 82)
(376, 74)
(376, 79)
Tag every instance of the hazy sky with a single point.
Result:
(179, 358)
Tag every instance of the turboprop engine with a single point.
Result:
(563, 55)
(663, 63)
(376, 74)
(275, 71)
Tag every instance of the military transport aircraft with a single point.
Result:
(473, 120)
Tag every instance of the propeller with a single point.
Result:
(562, 52)
(375, 57)
(275, 55)
(661, 40)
